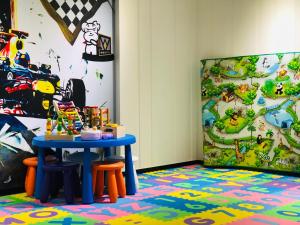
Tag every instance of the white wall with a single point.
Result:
(241, 27)
(158, 78)
(160, 45)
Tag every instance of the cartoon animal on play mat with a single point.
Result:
(259, 139)
(279, 88)
(297, 76)
(265, 63)
(282, 72)
(261, 126)
(204, 91)
(91, 32)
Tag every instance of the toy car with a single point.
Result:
(32, 89)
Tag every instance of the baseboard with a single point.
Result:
(151, 169)
(11, 191)
(277, 172)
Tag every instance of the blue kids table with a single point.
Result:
(87, 193)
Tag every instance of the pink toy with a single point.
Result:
(90, 134)
(107, 135)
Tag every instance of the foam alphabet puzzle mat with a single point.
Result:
(195, 195)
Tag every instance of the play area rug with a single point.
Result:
(187, 195)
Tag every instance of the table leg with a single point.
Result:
(129, 172)
(58, 154)
(39, 173)
(87, 187)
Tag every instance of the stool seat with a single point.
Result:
(32, 161)
(107, 165)
(116, 183)
(114, 158)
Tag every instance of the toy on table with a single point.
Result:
(91, 116)
(94, 119)
(104, 116)
(107, 135)
(67, 123)
(63, 132)
(59, 124)
(91, 133)
(95, 116)
(99, 118)
(116, 130)
(68, 108)
(49, 126)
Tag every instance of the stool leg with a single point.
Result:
(81, 173)
(55, 184)
(100, 183)
(94, 177)
(76, 181)
(26, 181)
(30, 180)
(60, 180)
(136, 179)
(45, 188)
(130, 183)
(68, 189)
(112, 186)
(120, 183)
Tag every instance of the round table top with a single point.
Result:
(40, 141)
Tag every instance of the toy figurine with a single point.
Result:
(70, 125)
(49, 126)
(91, 115)
(104, 116)
(59, 125)
(96, 120)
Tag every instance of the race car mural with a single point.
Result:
(39, 65)
(27, 89)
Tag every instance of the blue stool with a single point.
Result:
(55, 175)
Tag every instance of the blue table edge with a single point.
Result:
(39, 141)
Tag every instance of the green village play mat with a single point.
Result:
(250, 111)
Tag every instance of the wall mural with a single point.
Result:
(250, 111)
(49, 50)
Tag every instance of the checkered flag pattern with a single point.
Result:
(71, 14)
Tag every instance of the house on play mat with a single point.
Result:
(227, 96)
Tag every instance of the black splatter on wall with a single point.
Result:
(5, 17)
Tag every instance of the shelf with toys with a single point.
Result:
(91, 123)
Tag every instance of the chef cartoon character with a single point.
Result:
(91, 32)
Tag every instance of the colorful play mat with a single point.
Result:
(186, 195)
(250, 111)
